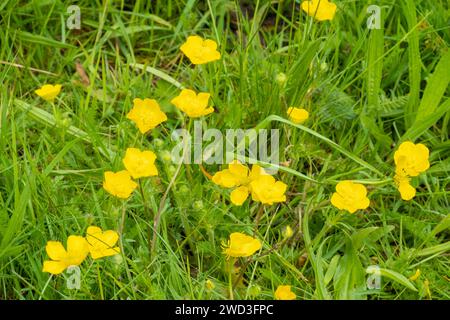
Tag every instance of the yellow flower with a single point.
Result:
(350, 196)
(200, 51)
(297, 115)
(415, 276)
(237, 175)
(241, 245)
(140, 163)
(48, 91)
(319, 9)
(101, 243)
(210, 285)
(287, 232)
(284, 293)
(119, 184)
(267, 190)
(77, 251)
(146, 114)
(194, 105)
(406, 190)
(411, 159)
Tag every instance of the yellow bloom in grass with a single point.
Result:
(287, 232)
(267, 190)
(319, 9)
(350, 196)
(284, 293)
(241, 245)
(140, 163)
(297, 115)
(146, 114)
(209, 285)
(119, 184)
(237, 175)
(194, 105)
(415, 276)
(77, 251)
(411, 159)
(200, 51)
(407, 191)
(48, 91)
(101, 243)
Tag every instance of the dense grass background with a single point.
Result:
(365, 90)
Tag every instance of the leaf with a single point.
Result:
(157, 73)
(435, 89)
(419, 127)
(33, 38)
(374, 74)
(438, 249)
(370, 234)
(333, 144)
(393, 275)
(441, 226)
(414, 61)
(331, 269)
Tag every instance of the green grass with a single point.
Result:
(366, 91)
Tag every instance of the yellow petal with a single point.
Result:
(77, 250)
(407, 191)
(55, 250)
(239, 195)
(297, 115)
(241, 245)
(54, 267)
(284, 293)
(140, 163)
(321, 10)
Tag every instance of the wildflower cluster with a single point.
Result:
(97, 243)
(410, 160)
(263, 187)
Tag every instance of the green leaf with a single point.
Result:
(435, 89)
(420, 126)
(393, 275)
(414, 60)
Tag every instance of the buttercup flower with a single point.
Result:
(287, 232)
(284, 293)
(48, 91)
(241, 245)
(119, 184)
(411, 159)
(209, 285)
(200, 51)
(297, 115)
(101, 243)
(267, 190)
(146, 114)
(77, 251)
(140, 163)
(415, 276)
(319, 9)
(406, 190)
(350, 196)
(194, 105)
(237, 175)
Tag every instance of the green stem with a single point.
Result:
(147, 209)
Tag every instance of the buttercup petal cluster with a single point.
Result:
(98, 243)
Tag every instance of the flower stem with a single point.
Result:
(147, 209)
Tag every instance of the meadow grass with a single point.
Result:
(366, 91)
